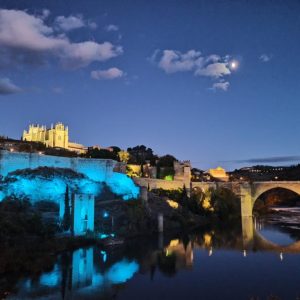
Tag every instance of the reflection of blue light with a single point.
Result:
(105, 214)
(103, 236)
(106, 235)
(104, 258)
(122, 271)
(51, 278)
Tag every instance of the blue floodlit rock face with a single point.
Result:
(41, 177)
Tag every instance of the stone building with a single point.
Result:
(56, 136)
(218, 173)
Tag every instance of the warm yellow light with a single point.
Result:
(172, 204)
(174, 243)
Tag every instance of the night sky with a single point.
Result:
(215, 82)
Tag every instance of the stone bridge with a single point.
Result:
(248, 192)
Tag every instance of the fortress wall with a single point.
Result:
(95, 169)
(159, 183)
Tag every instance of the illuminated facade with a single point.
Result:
(56, 136)
(219, 173)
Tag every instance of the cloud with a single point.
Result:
(82, 54)
(25, 33)
(109, 74)
(274, 159)
(266, 57)
(69, 23)
(213, 65)
(214, 70)
(172, 61)
(111, 27)
(7, 87)
(73, 22)
(175, 61)
(221, 85)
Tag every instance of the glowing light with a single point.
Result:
(37, 188)
(172, 204)
(104, 255)
(233, 65)
(105, 214)
(174, 243)
(169, 178)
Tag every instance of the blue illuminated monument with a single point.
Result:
(45, 178)
(83, 213)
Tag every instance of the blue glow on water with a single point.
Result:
(122, 271)
(52, 278)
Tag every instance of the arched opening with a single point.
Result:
(275, 199)
(277, 216)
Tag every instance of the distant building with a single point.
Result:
(219, 173)
(55, 137)
(97, 147)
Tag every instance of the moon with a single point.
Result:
(234, 65)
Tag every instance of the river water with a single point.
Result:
(259, 260)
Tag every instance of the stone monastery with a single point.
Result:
(56, 137)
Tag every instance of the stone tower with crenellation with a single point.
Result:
(56, 136)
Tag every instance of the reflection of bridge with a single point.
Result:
(250, 192)
(252, 239)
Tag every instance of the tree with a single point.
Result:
(141, 154)
(166, 161)
(123, 156)
(184, 197)
(102, 153)
(165, 166)
(67, 213)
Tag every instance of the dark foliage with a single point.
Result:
(19, 221)
(141, 154)
(102, 154)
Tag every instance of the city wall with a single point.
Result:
(152, 183)
(95, 169)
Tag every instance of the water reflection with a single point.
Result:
(204, 259)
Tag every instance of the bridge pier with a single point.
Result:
(246, 200)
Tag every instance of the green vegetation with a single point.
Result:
(219, 204)
(20, 221)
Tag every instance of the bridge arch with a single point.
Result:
(260, 188)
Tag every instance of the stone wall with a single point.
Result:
(159, 183)
(95, 169)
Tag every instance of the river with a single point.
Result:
(257, 261)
